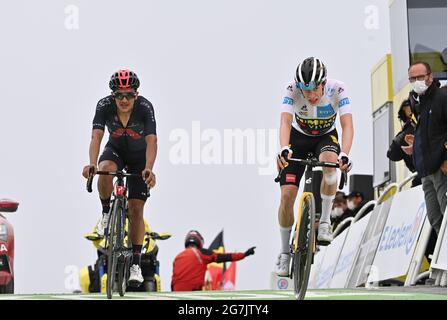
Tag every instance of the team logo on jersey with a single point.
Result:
(304, 111)
(330, 92)
(343, 102)
(325, 111)
(315, 126)
(340, 90)
(125, 132)
(288, 100)
(103, 102)
(290, 88)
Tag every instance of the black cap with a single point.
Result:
(355, 194)
(340, 196)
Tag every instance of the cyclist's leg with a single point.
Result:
(290, 180)
(137, 230)
(328, 150)
(137, 198)
(110, 160)
(285, 214)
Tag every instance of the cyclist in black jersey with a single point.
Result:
(132, 143)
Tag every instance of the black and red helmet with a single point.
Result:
(194, 237)
(124, 79)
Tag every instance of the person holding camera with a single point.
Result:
(395, 152)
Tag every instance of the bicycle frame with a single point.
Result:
(120, 194)
(118, 253)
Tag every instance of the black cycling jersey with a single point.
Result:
(132, 137)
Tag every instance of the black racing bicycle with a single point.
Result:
(118, 251)
(303, 243)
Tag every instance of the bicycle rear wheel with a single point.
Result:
(303, 244)
(113, 246)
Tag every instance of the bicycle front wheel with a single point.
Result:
(113, 246)
(124, 260)
(303, 245)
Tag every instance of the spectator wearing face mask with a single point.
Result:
(428, 145)
(338, 208)
(355, 201)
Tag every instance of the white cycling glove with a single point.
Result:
(284, 152)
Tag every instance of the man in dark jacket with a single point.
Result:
(429, 143)
(395, 152)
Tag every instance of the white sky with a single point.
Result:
(223, 63)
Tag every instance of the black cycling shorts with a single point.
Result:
(301, 146)
(135, 162)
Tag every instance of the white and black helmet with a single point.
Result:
(310, 74)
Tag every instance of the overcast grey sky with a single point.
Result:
(218, 65)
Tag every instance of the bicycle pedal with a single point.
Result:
(94, 237)
(134, 284)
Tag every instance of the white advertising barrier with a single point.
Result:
(331, 256)
(440, 254)
(348, 252)
(316, 266)
(400, 234)
(368, 247)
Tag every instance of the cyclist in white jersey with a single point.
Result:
(308, 115)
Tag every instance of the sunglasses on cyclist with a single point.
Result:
(122, 95)
(307, 86)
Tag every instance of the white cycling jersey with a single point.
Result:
(316, 120)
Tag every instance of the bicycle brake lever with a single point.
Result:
(90, 179)
(148, 193)
(343, 180)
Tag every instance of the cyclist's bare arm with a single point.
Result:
(284, 134)
(151, 154)
(347, 129)
(151, 150)
(95, 144)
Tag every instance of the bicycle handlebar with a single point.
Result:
(117, 174)
(120, 174)
(316, 163)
